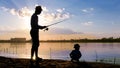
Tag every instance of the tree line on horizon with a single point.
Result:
(110, 39)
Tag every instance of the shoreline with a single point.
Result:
(51, 63)
(63, 42)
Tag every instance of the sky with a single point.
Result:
(83, 18)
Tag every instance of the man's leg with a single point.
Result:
(36, 52)
(36, 49)
(33, 43)
(32, 52)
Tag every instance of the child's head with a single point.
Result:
(76, 46)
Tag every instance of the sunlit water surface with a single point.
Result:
(90, 51)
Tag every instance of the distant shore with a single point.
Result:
(50, 63)
(103, 40)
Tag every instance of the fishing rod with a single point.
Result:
(53, 24)
(56, 23)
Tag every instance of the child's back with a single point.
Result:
(75, 54)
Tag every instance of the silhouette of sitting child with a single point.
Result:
(75, 54)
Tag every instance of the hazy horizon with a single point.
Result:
(52, 35)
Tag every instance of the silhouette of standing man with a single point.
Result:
(35, 32)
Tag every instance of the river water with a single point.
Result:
(90, 51)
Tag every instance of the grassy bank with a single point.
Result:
(50, 63)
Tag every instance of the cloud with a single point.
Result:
(60, 10)
(13, 12)
(23, 12)
(59, 14)
(4, 9)
(87, 23)
(46, 16)
(45, 9)
(88, 10)
(55, 16)
(56, 30)
(62, 31)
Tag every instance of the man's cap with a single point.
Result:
(38, 8)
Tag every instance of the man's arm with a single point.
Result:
(42, 27)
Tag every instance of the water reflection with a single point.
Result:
(90, 51)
